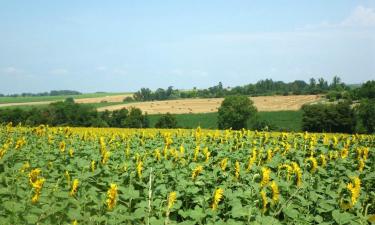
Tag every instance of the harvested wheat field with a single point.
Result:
(263, 103)
(112, 98)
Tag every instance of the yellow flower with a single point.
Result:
(71, 152)
(252, 159)
(264, 200)
(74, 187)
(275, 192)
(344, 153)
(218, 195)
(361, 165)
(75, 222)
(223, 164)
(288, 168)
(62, 146)
(197, 170)
(297, 171)
(196, 153)
(157, 155)
(323, 160)
(37, 186)
(67, 175)
(105, 156)
(93, 165)
(139, 169)
(24, 167)
(314, 164)
(265, 176)
(237, 169)
(33, 175)
(355, 189)
(171, 199)
(269, 155)
(111, 196)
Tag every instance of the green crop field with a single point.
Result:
(286, 120)
(187, 177)
(54, 98)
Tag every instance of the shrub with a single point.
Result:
(166, 121)
(235, 111)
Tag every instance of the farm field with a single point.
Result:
(183, 106)
(83, 98)
(287, 120)
(197, 176)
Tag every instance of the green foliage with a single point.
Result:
(366, 113)
(319, 199)
(136, 119)
(235, 111)
(338, 118)
(68, 113)
(166, 121)
(367, 90)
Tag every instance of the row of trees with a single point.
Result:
(69, 113)
(262, 87)
(344, 116)
(51, 93)
(340, 118)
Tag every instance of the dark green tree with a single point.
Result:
(166, 121)
(235, 111)
(366, 113)
(135, 119)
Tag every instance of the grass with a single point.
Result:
(284, 120)
(29, 107)
(54, 98)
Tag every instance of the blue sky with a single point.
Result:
(125, 45)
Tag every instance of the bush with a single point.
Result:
(166, 121)
(366, 112)
(135, 119)
(328, 118)
(235, 111)
(128, 99)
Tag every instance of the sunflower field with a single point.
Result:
(155, 176)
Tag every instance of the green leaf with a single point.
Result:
(13, 206)
(155, 221)
(31, 218)
(341, 218)
(292, 213)
(196, 214)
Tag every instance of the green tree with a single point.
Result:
(235, 111)
(366, 112)
(166, 121)
(135, 119)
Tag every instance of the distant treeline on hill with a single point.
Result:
(261, 88)
(51, 93)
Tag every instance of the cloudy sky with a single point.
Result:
(125, 45)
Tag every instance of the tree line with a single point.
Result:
(51, 93)
(69, 113)
(261, 88)
(343, 116)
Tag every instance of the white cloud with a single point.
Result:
(360, 16)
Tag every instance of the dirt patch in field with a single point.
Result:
(264, 103)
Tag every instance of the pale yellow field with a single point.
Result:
(264, 103)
